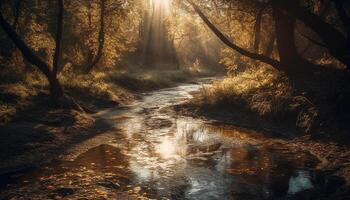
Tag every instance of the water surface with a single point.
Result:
(154, 153)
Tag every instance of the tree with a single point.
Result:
(269, 48)
(226, 41)
(323, 11)
(101, 39)
(16, 13)
(50, 73)
(58, 38)
(284, 26)
(284, 14)
(257, 28)
(337, 44)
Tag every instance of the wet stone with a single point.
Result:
(158, 123)
(63, 192)
(109, 184)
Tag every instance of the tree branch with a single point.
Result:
(336, 43)
(22, 46)
(230, 44)
(101, 37)
(314, 41)
(323, 12)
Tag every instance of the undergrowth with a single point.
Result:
(266, 93)
(96, 90)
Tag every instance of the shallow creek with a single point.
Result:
(154, 153)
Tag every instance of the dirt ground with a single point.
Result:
(43, 137)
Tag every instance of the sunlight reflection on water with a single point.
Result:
(185, 158)
(300, 182)
(202, 160)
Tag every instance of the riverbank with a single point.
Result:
(33, 132)
(155, 153)
(333, 151)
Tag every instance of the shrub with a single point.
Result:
(265, 92)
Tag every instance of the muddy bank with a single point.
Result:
(32, 131)
(153, 152)
(333, 151)
(25, 144)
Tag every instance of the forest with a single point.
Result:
(174, 99)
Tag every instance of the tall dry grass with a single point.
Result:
(95, 90)
(264, 92)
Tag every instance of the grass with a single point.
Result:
(264, 92)
(94, 91)
(146, 80)
(30, 126)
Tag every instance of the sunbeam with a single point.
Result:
(158, 48)
(174, 99)
(163, 5)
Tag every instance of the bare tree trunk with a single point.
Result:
(101, 38)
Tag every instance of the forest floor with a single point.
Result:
(33, 132)
(332, 150)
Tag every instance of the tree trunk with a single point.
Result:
(323, 12)
(284, 26)
(335, 41)
(292, 63)
(58, 39)
(307, 69)
(257, 29)
(230, 44)
(22, 46)
(16, 13)
(56, 91)
(101, 38)
(269, 49)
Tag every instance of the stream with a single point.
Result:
(154, 153)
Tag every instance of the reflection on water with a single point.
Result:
(164, 155)
(180, 157)
(300, 182)
(167, 149)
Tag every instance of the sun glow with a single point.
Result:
(167, 149)
(163, 5)
(160, 2)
